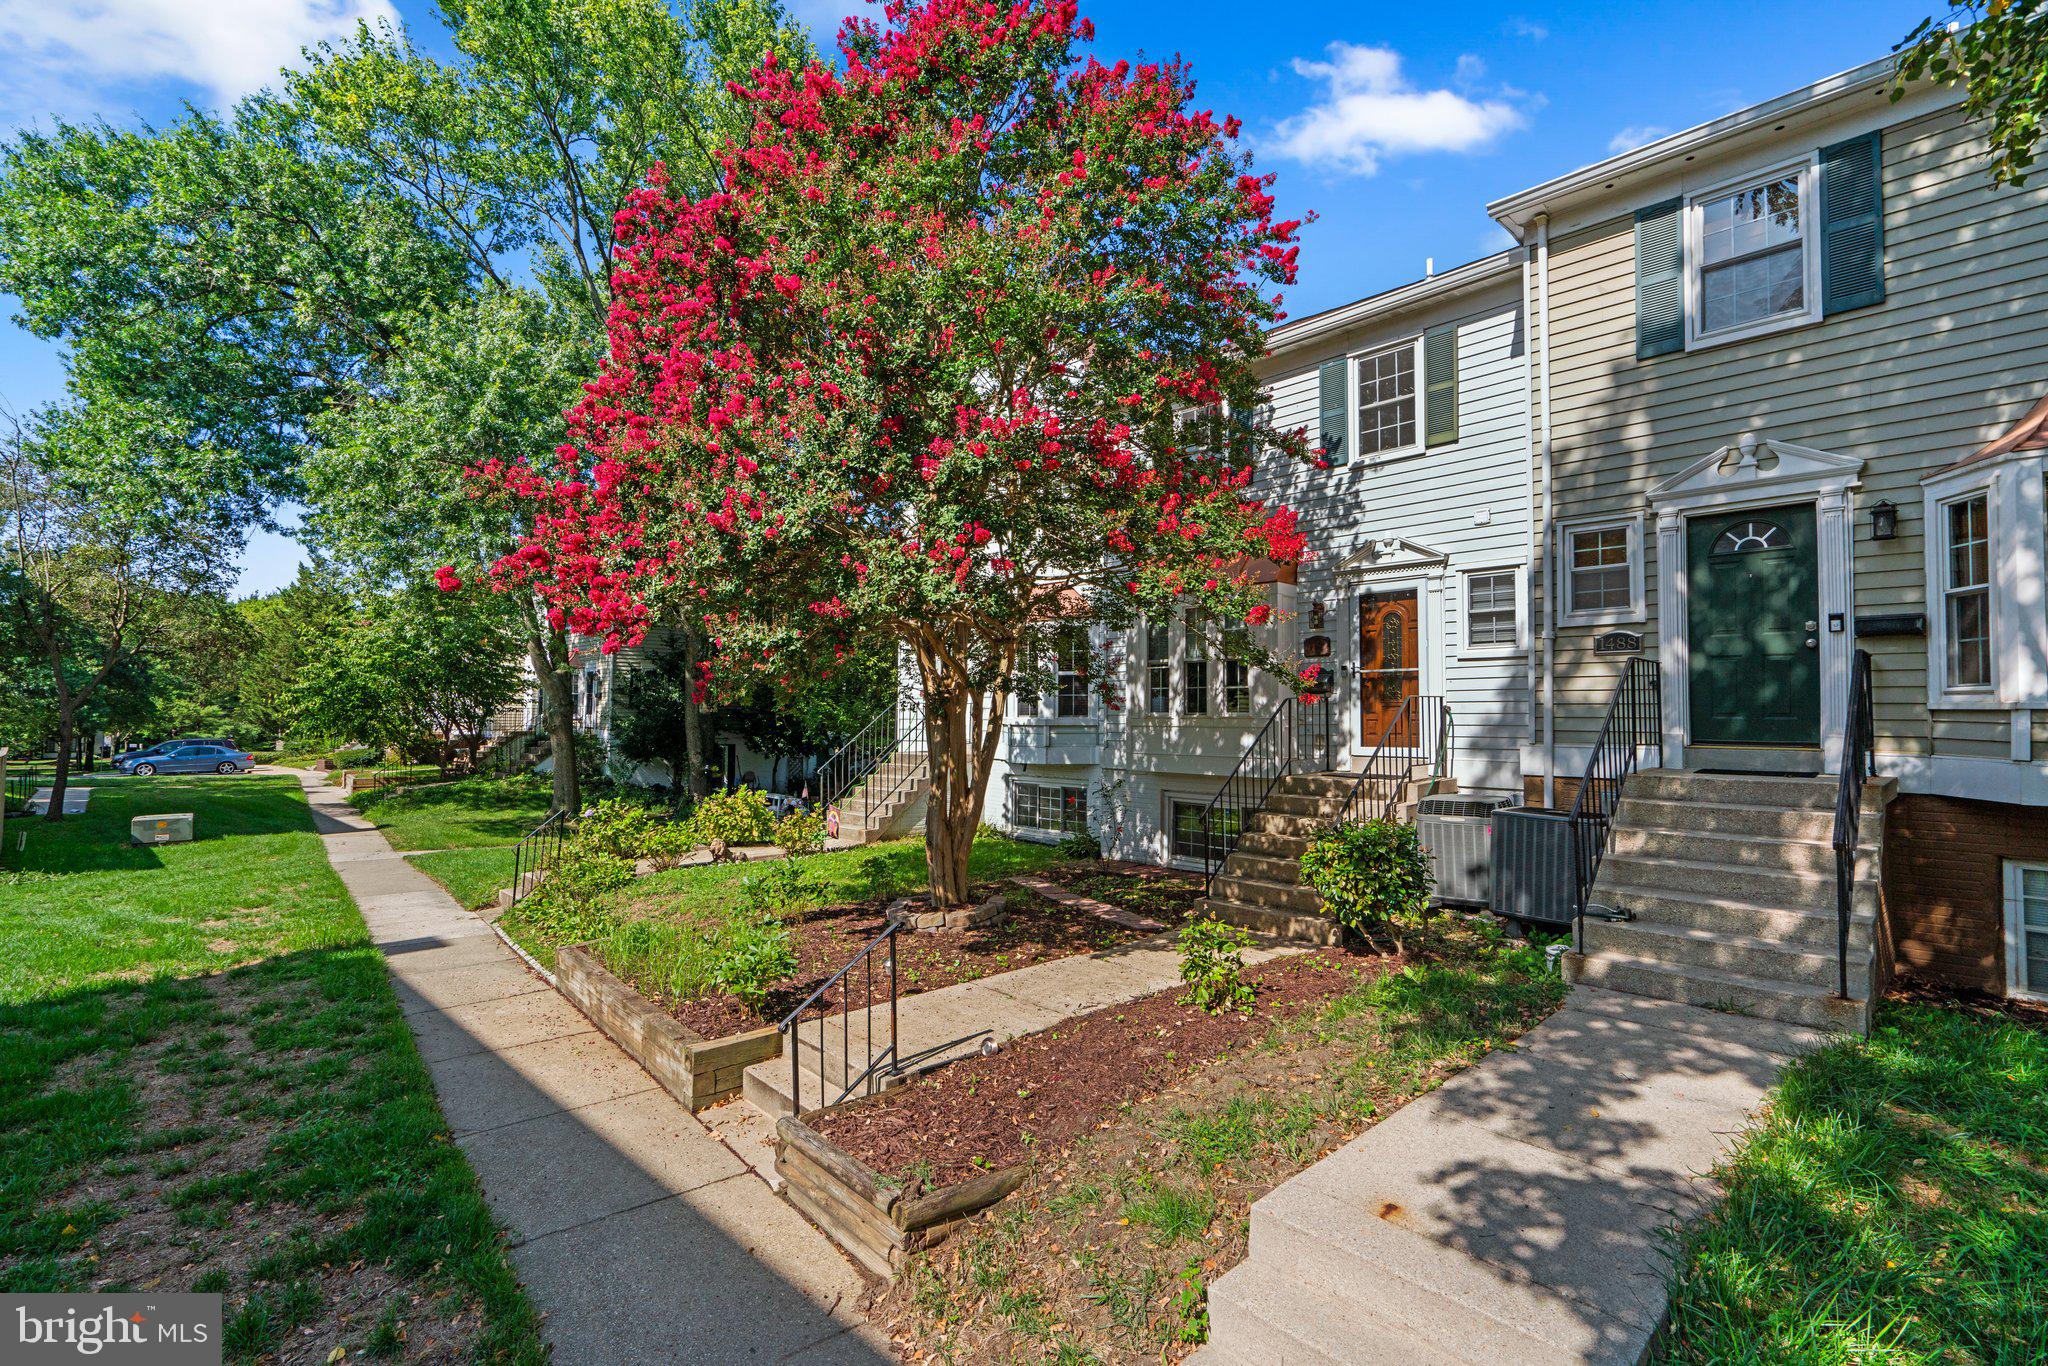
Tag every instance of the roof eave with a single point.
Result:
(1298, 332)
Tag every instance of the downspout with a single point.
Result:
(1543, 458)
(1531, 686)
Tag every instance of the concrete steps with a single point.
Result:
(1727, 886)
(899, 785)
(1259, 885)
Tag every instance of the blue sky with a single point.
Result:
(1393, 125)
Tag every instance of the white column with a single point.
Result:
(1837, 528)
(1674, 648)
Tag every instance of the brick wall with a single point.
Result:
(1943, 879)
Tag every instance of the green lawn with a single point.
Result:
(1892, 1207)
(468, 813)
(206, 1084)
(892, 868)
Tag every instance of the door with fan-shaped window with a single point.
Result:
(1753, 580)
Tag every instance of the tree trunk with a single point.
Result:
(558, 716)
(693, 717)
(961, 731)
(61, 779)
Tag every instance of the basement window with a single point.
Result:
(1054, 809)
(2026, 928)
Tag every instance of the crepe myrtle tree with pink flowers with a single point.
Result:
(957, 358)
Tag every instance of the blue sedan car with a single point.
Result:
(192, 758)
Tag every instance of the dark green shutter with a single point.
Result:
(1440, 386)
(1333, 382)
(1852, 224)
(1660, 280)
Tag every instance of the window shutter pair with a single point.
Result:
(1850, 231)
(1439, 396)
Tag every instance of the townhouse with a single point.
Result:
(1786, 374)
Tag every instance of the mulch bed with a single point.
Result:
(1030, 930)
(1044, 1090)
(1908, 986)
(1164, 894)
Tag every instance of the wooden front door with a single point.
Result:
(1753, 627)
(1389, 660)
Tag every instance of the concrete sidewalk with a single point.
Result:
(1521, 1212)
(639, 1234)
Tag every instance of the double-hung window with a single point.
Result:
(1071, 664)
(1159, 667)
(1237, 680)
(1491, 598)
(1386, 415)
(1195, 670)
(1601, 568)
(1752, 259)
(1966, 591)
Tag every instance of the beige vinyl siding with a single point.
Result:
(1955, 354)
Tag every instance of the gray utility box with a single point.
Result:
(1457, 832)
(171, 827)
(1532, 865)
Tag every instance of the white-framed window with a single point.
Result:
(1600, 572)
(1188, 842)
(1051, 808)
(1385, 411)
(1071, 672)
(1194, 694)
(2026, 928)
(591, 692)
(1159, 667)
(1493, 611)
(1965, 532)
(1237, 687)
(1985, 528)
(1752, 255)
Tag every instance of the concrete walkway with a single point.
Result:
(937, 1027)
(75, 799)
(640, 1236)
(1517, 1214)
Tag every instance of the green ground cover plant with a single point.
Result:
(206, 1083)
(1892, 1205)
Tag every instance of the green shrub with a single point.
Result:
(778, 890)
(668, 844)
(618, 826)
(801, 832)
(566, 907)
(1373, 876)
(751, 955)
(1212, 965)
(1080, 845)
(738, 815)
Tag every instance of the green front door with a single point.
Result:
(1753, 623)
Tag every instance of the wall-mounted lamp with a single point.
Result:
(1884, 520)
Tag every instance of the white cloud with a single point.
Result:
(225, 48)
(1369, 111)
(1634, 136)
(1528, 28)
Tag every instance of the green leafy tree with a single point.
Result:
(1997, 50)
(283, 637)
(657, 719)
(107, 552)
(416, 666)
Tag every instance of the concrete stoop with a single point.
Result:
(1259, 885)
(1727, 884)
(1519, 1214)
(903, 783)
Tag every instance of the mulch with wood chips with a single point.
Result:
(1044, 1090)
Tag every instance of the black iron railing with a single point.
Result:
(858, 757)
(1299, 737)
(22, 780)
(876, 1060)
(1420, 736)
(894, 776)
(1859, 761)
(1634, 722)
(537, 852)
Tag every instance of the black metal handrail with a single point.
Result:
(888, 780)
(1859, 761)
(1420, 735)
(1297, 737)
(1634, 722)
(859, 756)
(878, 1061)
(537, 852)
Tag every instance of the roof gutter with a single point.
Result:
(1299, 332)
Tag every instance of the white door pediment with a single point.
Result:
(1743, 467)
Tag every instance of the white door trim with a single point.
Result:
(1753, 473)
(1429, 630)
